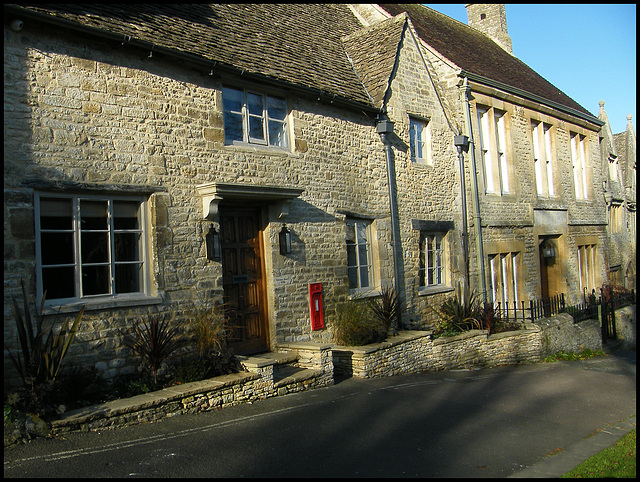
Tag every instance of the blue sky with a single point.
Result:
(587, 51)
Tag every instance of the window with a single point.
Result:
(431, 271)
(254, 118)
(541, 133)
(504, 272)
(615, 222)
(420, 141)
(493, 145)
(89, 246)
(578, 160)
(587, 267)
(359, 254)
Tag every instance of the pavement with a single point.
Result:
(534, 420)
(556, 465)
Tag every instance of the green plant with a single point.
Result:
(155, 341)
(387, 309)
(616, 461)
(354, 324)
(210, 327)
(44, 349)
(457, 315)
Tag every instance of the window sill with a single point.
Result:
(102, 304)
(258, 148)
(357, 294)
(432, 290)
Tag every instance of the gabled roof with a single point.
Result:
(374, 51)
(295, 44)
(475, 53)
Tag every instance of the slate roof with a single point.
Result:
(301, 44)
(474, 52)
(373, 51)
(297, 44)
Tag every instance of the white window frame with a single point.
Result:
(579, 164)
(504, 272)
(358, 248)
(77, 264)
(432, 260)
(494, 149)
(264, 117)
(587, 267)
(543, 160)
(420, 141)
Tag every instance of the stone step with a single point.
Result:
(261, 360)
(288, 374)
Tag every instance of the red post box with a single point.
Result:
(315, 298)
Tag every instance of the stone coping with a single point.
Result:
(151, 399)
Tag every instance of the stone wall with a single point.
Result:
(412, 352)
(560, 333)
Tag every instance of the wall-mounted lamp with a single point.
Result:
(214, 248)
(548, 250)
(285, 240)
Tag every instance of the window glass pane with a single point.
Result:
(232, 100)
(93, 214)
(364, 277)
(58, 282)
(277, 108)
(95, 280)
(351, 233)
(255, 104)
(55, 213)
(127, 246)
(125, 214)
(277, 134)
(351, 255)
(94, 247)
(56, 248)
(361, 232)
(256, 128)
(353, 278)
(128, 278)
(232, 127)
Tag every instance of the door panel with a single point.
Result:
(242, 278)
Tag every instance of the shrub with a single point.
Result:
(355, 325)
(457, 316)
(155, 341)
(388, 309)
(44, 350)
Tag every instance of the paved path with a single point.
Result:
(531, 420)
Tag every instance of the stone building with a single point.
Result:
(619, 166)
(162, 156)
(537, 216)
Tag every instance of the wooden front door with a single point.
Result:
(243, 278)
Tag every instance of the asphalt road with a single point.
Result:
(479, 423)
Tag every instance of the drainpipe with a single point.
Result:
(384, 127)
(462, 144)
(474, 191)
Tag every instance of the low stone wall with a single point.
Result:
(626, 327)
(415, 351)
(260, 381)
(560, 333)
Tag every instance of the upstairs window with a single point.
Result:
(89, 247)
(542, 159)
(493, 145)
(420, 141)
(254, 118)
(579, 163)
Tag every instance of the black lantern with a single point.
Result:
(285, 240)
(214, 249)
(548, 250)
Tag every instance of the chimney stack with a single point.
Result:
(491, 20)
